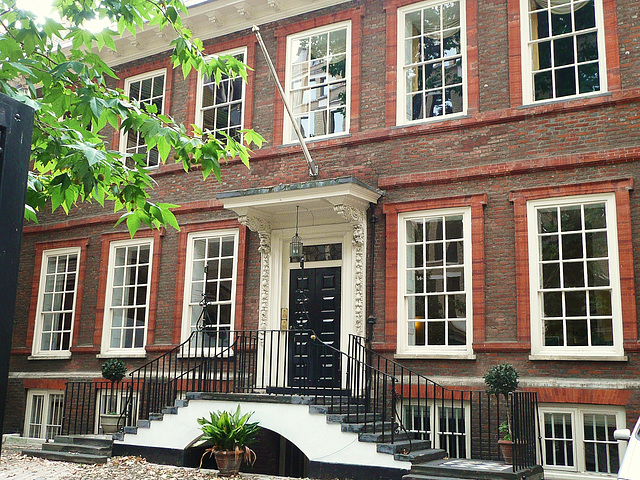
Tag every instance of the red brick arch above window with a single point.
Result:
(621, 188)
(473, 95)
(40, 247)
(391, 211)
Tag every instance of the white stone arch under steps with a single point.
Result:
(320, 441)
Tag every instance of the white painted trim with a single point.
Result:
(577, 412)
(105, 348)
(287, 130)
(185, 328)
(127, 85)
(400, 55)
(538, 350)
(279, 291)
(199, 113)
(435, 406)
(434, 351)
(526, 57)
(45, 409)
(36, 351)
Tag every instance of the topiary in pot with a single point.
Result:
(503, 380)
(113, 370)
(230, 434)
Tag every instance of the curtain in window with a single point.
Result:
(564, 9)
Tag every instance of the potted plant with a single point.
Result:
(230, 434)
(503, 380)
(113, 370)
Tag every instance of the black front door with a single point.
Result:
(314, 305)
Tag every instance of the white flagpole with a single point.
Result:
(313, 168)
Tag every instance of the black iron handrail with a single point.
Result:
(418, 393)
(359, 385)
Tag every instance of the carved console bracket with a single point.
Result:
(358, 220)
(263, 229)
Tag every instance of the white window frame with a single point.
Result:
(434, 419)
(288, 136)
(120, 396)
(538, 349)
(577, 413)
(124, 135)
(108, 312)
(528, 94)
(37, 340)
(200, 111)
(404, 350)
(401, 103)
(45, 412)
(187, 304)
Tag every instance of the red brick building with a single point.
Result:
(475, 196)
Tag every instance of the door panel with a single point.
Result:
(314, 304)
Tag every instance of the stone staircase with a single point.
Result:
(426, 463)
(89, 449)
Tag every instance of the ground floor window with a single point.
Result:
(445, 426)
(580, 439)
(117, 401)
(44, 413)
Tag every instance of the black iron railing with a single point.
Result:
(464, 422)
(86, 401)
(360, 385)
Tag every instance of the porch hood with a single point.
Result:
(318, 201)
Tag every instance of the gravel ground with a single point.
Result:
(15, 466)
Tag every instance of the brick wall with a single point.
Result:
(498, 148)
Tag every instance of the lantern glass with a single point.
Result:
(295, 249)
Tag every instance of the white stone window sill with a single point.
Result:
(135, 354)
(578, 358)
(48, 356)
(435, 356)
(431, 120)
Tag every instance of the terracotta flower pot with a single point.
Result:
(506, 448)
(229, 461)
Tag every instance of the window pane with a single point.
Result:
(435, 265)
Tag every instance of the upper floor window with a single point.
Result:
(318, 81)
(211, 272)
(147, 89)
(127, 297)
(221, 106)
(56, 301)
(431, 61)
(434, 282)
(563, 48)
(575, 285)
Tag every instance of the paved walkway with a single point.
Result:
(15, 466)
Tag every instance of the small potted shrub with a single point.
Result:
(230, 435)
(503, 380)
(113, 370)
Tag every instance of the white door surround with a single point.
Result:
(330, 211)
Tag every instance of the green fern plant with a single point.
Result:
(229, 432)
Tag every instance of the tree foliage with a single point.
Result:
(501, 380)
(55, 66)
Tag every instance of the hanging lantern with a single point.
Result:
(296, 246)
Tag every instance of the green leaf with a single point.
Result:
(133, 223)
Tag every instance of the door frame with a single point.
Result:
(280, 272)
